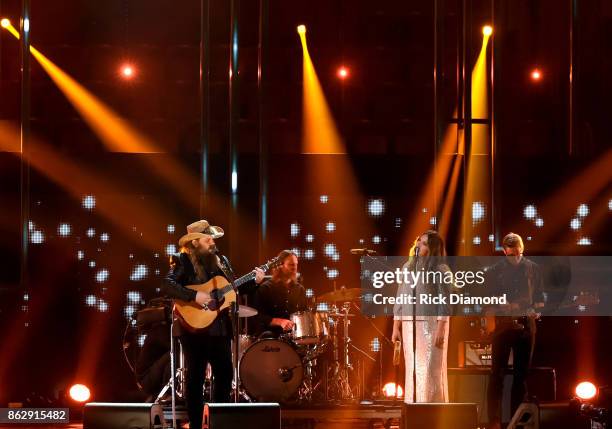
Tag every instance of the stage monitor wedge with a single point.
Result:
(108, 415)
(232, 416)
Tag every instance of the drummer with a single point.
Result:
(277, 298)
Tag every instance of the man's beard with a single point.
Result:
(208, 261)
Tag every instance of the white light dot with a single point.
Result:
(157, 272)
(91, 300)
(104, 237)
(170, 249)
(80, 255)
(297, 251)
(478, 211)
(376, 207)
(330, 249)
(530, 212)
(539, 222)
(309, 254)
(89, 202)
(491, 238)
(398, 222)
(309, 293)
(170, 229)
(335, 257)
(128, 311)
(330, 227)
(610, 205)
(584, 241)
(102, 306)
(294, 230)
(309, 238)
(375, 344)
(91, 232)
(323, 199)
(141, 339)
(583, 210)
(575, 224)
(92, 264)
(476, 240)
(64, 230)
(376, 239)
(37, 237)
(102, 275)
(322, 306)
(26, 297)
(433, 220)
(333, 273)
(32, 225)
(139, 272)
(424, 210)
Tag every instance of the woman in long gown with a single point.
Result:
(431, 330)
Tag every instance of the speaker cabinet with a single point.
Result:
(470, 385)
(252, 416)
(440, 416)
(104, 415)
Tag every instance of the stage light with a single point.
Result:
(343, 72)
(79, 393)
(586, 390)
(536, 75)
(301, 29)
(127, 71)
(487, 30)
(5, 22)
(392, 390)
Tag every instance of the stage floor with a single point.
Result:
(319, 417)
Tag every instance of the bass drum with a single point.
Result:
(271, 371)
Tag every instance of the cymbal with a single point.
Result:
(339, 314)
(246, 311)
(342, 294)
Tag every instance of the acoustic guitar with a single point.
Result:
(195, 317)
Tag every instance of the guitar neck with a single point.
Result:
(250, 276)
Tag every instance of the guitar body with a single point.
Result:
(193, 316)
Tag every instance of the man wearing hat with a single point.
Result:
(196, 264)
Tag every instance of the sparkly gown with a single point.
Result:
(431, 361)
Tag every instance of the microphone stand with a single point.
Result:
(231, 277)
(414, 335)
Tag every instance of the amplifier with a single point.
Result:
(476, 354)
(470, 385)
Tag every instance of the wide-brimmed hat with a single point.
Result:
(199, 229)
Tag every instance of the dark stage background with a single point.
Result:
(98, 252)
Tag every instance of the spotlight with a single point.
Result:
(301, 29)
(586, 390)
(5, 22)
(79, 393)
(536, 75)
(487, 30)
(343, 72)
(127, 71)
(392, 390)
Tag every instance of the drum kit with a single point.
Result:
(311, 363)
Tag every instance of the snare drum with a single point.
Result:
(309, 327)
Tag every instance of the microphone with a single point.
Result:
(364, 251)
(416, 251)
